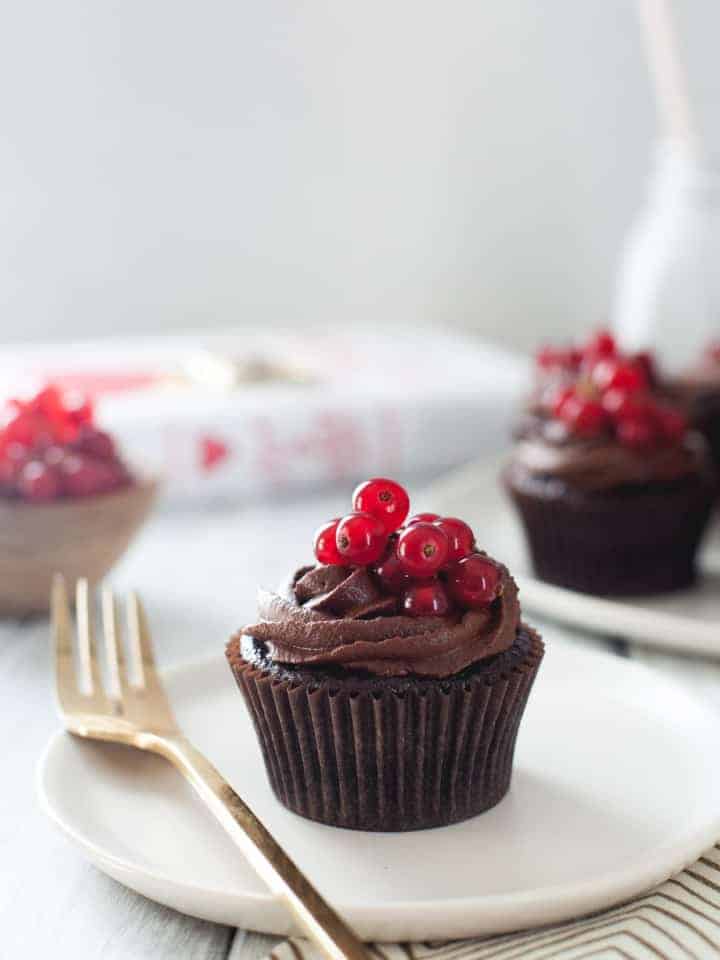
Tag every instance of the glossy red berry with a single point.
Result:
(638, 433)
(601, 345)
(584, 416)
(422, 549)
(390, 573)
(324, 544)
(425, 600)
(672, 423)
(461, 539)
(361, 538)
(422, 518)
(384, 499)
(38, 482)
(474, 581)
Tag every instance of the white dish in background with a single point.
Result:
(614, 790)
(686, 620)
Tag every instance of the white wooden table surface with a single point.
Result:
(198, 574)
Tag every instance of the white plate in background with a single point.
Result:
(686, 620)
(615, 788)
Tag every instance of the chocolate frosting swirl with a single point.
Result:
(334, 615)
(545, 448)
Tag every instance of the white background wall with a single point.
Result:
(169, 163)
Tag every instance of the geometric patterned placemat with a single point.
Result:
(679, 920)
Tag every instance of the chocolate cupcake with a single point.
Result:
(613, 489)
(697, 390)
(384, 700)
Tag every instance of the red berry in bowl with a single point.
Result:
(361, 538)
(422, 549)
(474, 581)
(94, 442)
(422, 518)
(638, 432)
(38, 482)
(390, 573)
(425, 600)
(384, 499)
(82, 476)
(461, 539)
(324, 544)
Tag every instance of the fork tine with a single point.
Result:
(113, 647)
(140, 642)
(89, 667)
(65, 680)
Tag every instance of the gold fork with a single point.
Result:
(135, 710)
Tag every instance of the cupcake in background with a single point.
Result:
(613, 489)
(387, 681)
(697, 390)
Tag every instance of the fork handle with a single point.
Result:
(265, 854)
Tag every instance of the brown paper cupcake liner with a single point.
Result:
(615, 544)
(421, 754)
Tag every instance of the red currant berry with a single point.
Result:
(324, 544)
(422, 549)
(361, 538)
(422, 518)
(82, 476)
(609, 375)
(461, 539)
(638, 433)
(78, 408)
(672, 423)
(49, 403)
(384, 499)
(96, 443)
(601, 345)
(38, 482)
(389, 572)
(425, 600)
(585, 417)
(474, 581)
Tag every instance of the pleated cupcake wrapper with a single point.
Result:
(435, 753)
(646, 543)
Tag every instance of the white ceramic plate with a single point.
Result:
(687, 620)
(616, 786)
